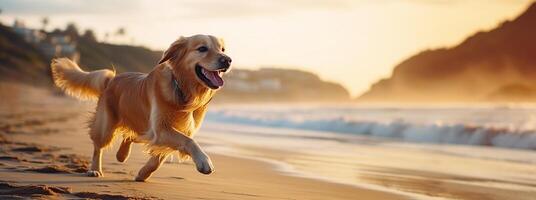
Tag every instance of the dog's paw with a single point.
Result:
(122, 156)
(203, 164)
(94, 173)
(123, 152)
(140, 179)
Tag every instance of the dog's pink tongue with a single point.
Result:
(214, 77)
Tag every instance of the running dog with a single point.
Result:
(162, 109)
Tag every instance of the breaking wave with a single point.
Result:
(484, 134)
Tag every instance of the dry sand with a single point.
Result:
(44, 152)
(45, 149)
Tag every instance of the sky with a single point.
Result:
(352, 42)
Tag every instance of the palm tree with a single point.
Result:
(120, 33)
(106, 37)
(45, 22)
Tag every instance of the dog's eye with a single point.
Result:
(202, 49)
(223, 49)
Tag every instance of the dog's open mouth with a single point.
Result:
(213, 79)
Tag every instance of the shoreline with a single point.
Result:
(56, 150)
(287, 169)
(47, 144)
(415, 171)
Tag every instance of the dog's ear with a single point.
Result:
(175, 50)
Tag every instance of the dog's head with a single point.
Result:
(200, 56)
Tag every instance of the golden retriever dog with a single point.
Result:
(162, 109)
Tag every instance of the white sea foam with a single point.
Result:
(487, 126)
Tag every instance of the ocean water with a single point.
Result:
(432, 152)
(512, 126)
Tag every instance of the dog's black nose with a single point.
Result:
(225, 61)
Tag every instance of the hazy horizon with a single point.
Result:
(354, 43)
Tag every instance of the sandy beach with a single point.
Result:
(45, 151)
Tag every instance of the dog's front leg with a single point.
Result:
(180, 142)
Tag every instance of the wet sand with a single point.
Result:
(45, 150)
(417, 171)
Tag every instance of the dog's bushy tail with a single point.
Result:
(74, 81)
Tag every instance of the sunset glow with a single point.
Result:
(351, 42)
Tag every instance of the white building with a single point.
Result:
(52, 45)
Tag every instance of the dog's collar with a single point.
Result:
(177, 89)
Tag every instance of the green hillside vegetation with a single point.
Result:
(23, 62)
(95, 55)
(20, 61)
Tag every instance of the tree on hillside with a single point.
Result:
(56, 31)
(120, 33)
(106, 37)
(89, 35)
(71, 30)
(45, 21)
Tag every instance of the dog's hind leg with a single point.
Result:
(101, 131)
(152, 165)
(124, 150)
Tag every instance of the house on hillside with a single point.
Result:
(60, 45)
(246, 81)
(29, 35)
(52, 45)
(272, 84)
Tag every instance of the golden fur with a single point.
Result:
(162, 109)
